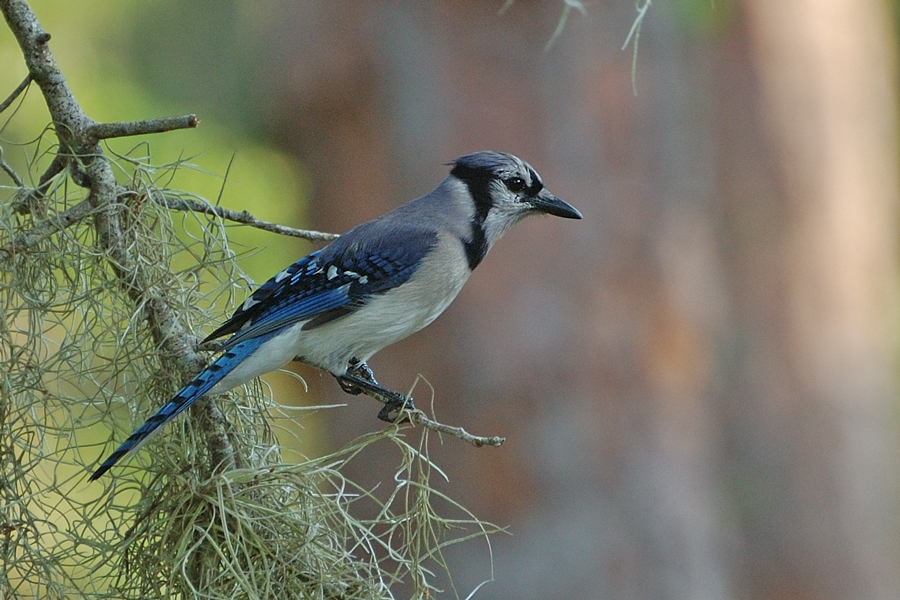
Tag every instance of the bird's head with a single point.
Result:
(505, 189)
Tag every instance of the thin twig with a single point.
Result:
(418, 417)
(242, 217)
(55, 168)
(103, 131)
(10, 171)
(15, 93)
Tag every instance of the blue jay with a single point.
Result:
(375, 285)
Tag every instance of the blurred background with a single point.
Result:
(698, 382)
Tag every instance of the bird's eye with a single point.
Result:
(515, 184)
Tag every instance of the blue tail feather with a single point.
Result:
(200, 385)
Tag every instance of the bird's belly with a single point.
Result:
(386, 318)
(363, 333)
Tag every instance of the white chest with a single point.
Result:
(389, 317)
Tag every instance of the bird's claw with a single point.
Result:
(360, 379)
(349, 387)
(361, 370)
(385, 413)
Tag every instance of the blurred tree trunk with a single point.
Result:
(827, 73)
(698, 381)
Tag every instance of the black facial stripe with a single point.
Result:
(536, 183)
(477, 247)
(479, 183)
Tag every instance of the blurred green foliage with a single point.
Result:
(92, 42)
(704, 17)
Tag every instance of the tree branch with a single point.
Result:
(418, 417)
(103, 131)
(243, 217)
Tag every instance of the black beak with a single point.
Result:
(546, 202)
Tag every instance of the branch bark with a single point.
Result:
(104, 131)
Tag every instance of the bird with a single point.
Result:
(376, 284)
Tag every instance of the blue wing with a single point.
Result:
(318, 288)
(328, 284)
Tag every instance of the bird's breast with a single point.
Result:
(393, 315)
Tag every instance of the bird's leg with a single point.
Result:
(359, 379)
(361, 369)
